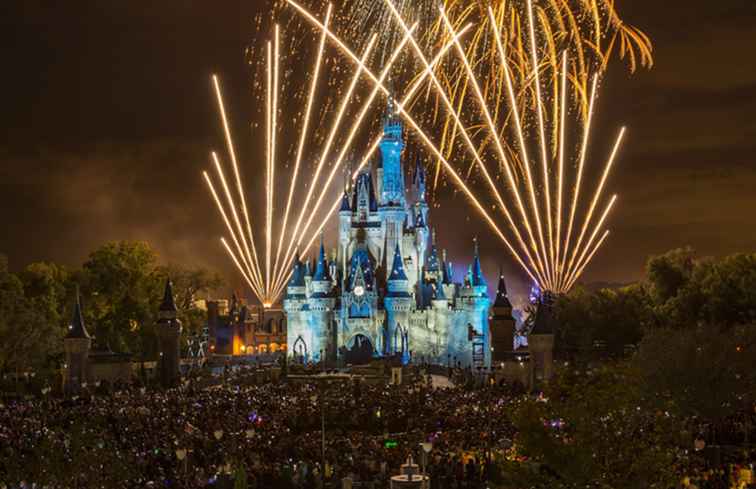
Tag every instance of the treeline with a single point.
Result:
(631, 422)
(678, 292)
(121, 287)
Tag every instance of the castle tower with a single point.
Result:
(421, 241)
(77, 344)
(473, 298)
(398, 303)
(169, 332)
(502, 324)
(541, 344)
(345, 228)
(321, 304)
(392, 145)
(393, 203)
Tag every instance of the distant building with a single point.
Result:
(235, 328)
(387, 290)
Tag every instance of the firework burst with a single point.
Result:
(541, 218)
(592, 32)
(267, 272)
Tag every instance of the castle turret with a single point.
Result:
(541, 343)
(321, 305)
(169, 332)
(77, 344)
(502, 324)
(398, 303)
(392, 201)
(392, 145)
(474, 300)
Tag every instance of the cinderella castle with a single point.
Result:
(387, 290)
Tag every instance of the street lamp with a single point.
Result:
(427, 447)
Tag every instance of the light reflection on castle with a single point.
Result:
(387, 289)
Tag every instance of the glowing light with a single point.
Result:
(548, 265)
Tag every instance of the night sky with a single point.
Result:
(107, 118)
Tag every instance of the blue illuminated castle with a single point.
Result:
(387, 290)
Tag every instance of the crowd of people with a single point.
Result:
(236, 431)
(270, 434)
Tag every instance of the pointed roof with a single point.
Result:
(321, 269)
(397, 271)
(77, 330)
(297, 273)
(431, 262)
(419, 221)
(501, 293)
(169, 304)
(345, 203)
(477, 278)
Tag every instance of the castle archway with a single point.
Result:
(300, 350)
(360, 350)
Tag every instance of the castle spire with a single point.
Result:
(477, 273)
(168, 307)
(321, 269)
(397, 271)
(501, 292)
(77, 329)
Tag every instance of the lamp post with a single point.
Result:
(426, 449)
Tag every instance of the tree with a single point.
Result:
(31, 330)
(667, 274)
(615, 316)
(122, 291)
(595, 430)
(704, 371)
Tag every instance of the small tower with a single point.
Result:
(169, 332)
(392, 145)
(541, 343)
(321, 303)
(77, 344)
(398, 303)
(502, 324)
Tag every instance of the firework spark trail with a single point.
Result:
(286, 268)
(597, 195)
(465, 135)
(244, 252)
(580, 270)
(244, 273)
(520, 135)
(560, 177)
(541, 132)
(424, 137)
(232, 153)
(353, 132)
(562, 273)
(494, 133)
(241, 270)
(415, 86)
(229, 199)
(326, 149)
(579, 178)
(595, 232)
(304, 132)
